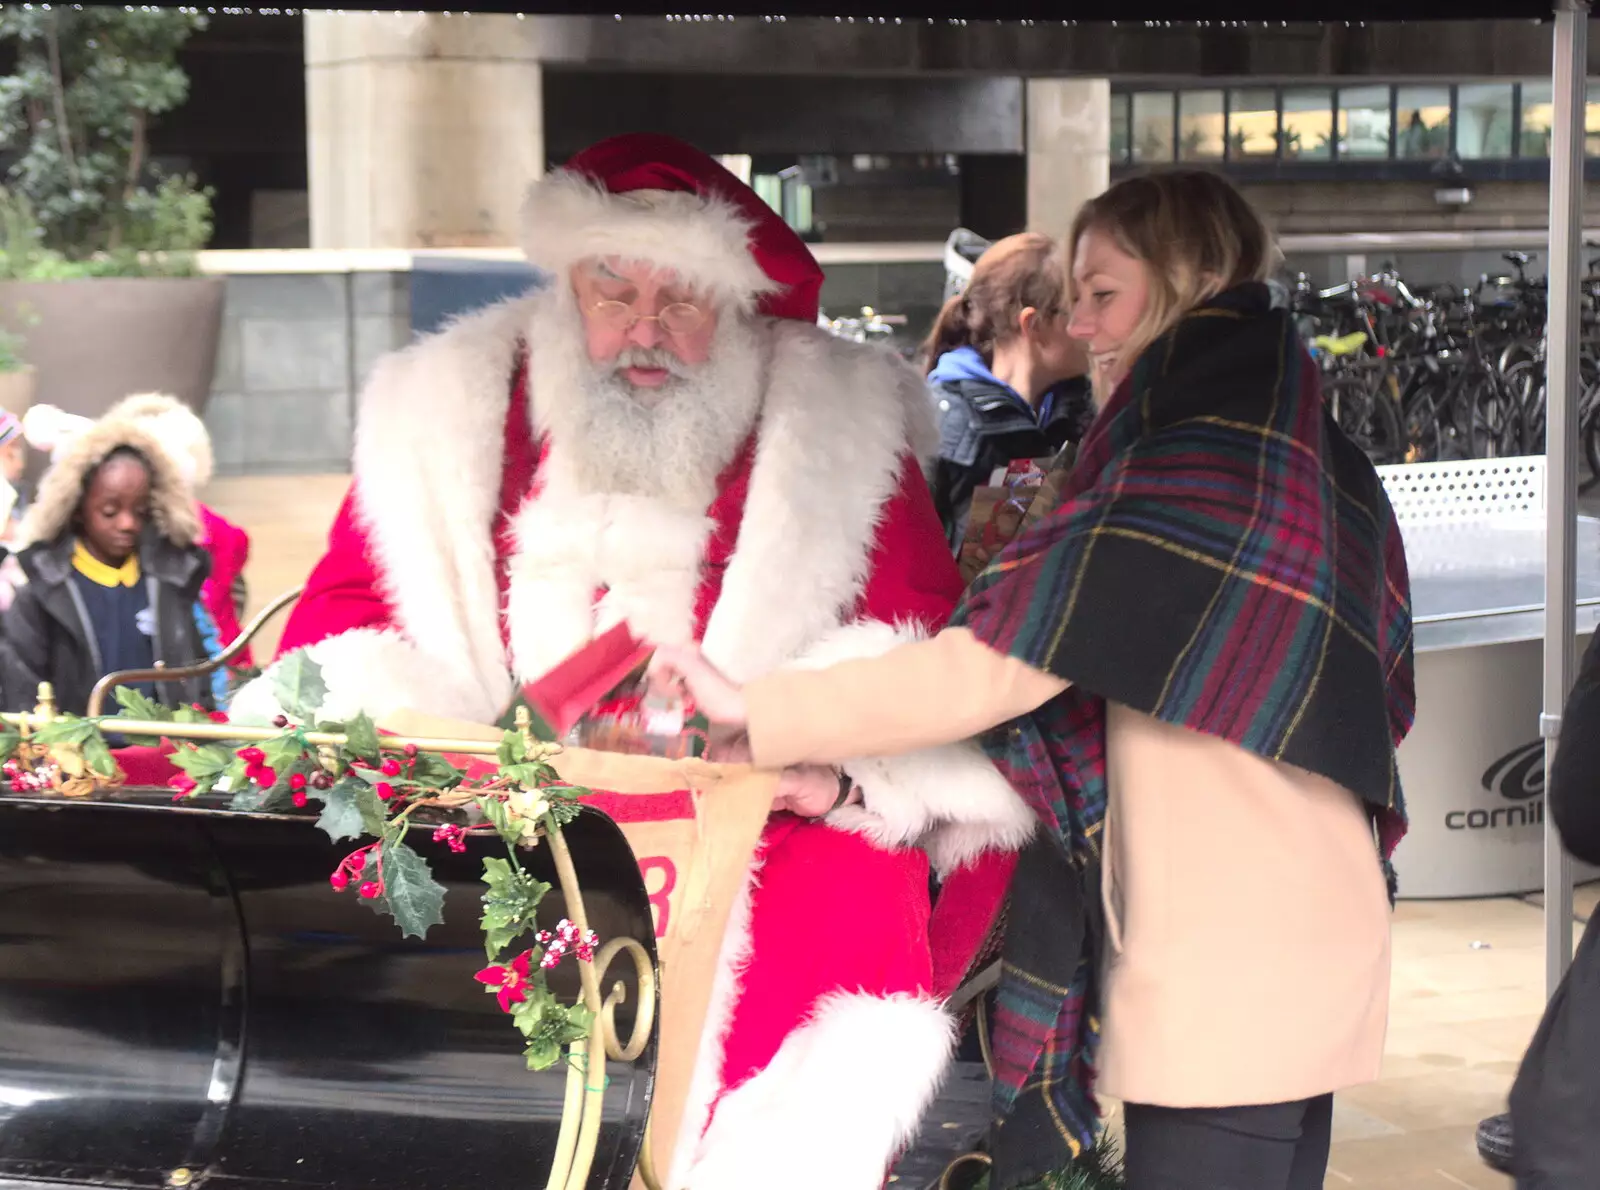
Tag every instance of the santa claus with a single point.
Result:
(662, 435)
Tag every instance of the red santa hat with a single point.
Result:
(645, 197)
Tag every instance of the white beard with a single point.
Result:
(605, 441)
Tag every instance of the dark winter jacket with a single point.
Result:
(45, 634)
(1574, 794)
(984, 425)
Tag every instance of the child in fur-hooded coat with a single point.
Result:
(113, 574)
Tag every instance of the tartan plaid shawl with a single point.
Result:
(1223, 558)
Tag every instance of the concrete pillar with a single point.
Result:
(423, 129)
(1068, 137)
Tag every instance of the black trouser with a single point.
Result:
(1279, 1146)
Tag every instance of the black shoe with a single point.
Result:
(1494, 1142)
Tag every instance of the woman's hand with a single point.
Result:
(676, 670)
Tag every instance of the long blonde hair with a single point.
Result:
(1191, 229)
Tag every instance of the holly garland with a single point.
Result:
(367, 789)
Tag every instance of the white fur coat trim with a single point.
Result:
(429, 450)
(377, 671)
(950, 800)
(567, 217)
(864, 1067)
(837, 422)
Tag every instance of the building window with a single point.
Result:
(1483, 120)
(1308, 124)
(1364, 132)
(1538, 117)
(1252, 125)
(1120, 133)
(1423, 122)
(1152, 126)
(1200, 129)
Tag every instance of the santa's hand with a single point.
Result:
(809, 790)
(679, 670)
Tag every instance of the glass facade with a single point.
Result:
(1308, 124)
(1200, 126)
(1483, 120)
(1152, 126)
(1372, 122)
(1252, 124)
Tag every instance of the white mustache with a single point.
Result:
(651, 357)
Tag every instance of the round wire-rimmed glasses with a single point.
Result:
(680, 318)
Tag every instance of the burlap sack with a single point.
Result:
(693, 827)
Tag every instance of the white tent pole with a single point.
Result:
(1569, 68)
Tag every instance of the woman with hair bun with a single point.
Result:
(1005, 375)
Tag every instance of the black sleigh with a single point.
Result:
(184, 1001)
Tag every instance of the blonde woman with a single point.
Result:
(1196, 672)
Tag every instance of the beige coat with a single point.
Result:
(1248, 917)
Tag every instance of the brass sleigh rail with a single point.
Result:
(579, 1134)
(176, 673)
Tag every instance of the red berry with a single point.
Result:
(266, 777)
(384, 790)
(194, 706)
(321, 780)
(411, 749)
(219, 716)
(251, 755)
(369, 889)
(339, 880)
(357, 860)
(391, 767)
(299, 799)
(280, 721)
(297, 781)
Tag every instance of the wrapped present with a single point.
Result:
(1014, 498)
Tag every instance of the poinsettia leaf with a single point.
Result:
(68, 730)
(98, 755)
(435, 771)
(138, 705)
(341, 816)
(188, 714)
(299, 686)
(361, 738)
(496, 811)
(204, 763)
(509, 904)
(512, 750)
(410, 893)
(542, 1053)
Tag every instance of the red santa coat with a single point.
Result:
(445, 580)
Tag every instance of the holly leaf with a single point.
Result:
(249, 798)
(373, 813)
(509, 904)
(342, 816)
(361, 737)
(283, 753)
(410, 893)
(9, 742)
(187, 714)
(137, 705)
(299, 687)
(542, 1053)
(530, 774)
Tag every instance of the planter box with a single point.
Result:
(95, 341)
(17, 389)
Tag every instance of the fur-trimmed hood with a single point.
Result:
(176, 426)
(171, 506)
